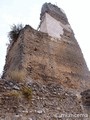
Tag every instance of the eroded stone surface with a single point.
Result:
(47, 102)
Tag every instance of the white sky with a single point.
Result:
(28, 12)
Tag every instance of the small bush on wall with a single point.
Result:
(15, 31)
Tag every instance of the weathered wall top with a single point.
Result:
(54, 21)
(54, 11)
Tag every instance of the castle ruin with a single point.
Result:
(54, 66)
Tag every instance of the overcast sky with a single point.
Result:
(28, 12)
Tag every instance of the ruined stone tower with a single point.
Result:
(54, 21)
(54, 65)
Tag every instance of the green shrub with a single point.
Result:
(15, 31)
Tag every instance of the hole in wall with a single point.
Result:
(35, 49)
(85, 97)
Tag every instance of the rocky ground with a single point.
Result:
(39, 102)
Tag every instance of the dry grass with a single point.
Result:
(27, 92)
(17, 76)
(13, 93)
